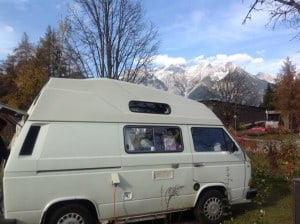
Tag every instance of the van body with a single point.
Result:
(100, 150)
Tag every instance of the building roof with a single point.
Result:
(107, 100)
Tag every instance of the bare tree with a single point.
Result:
(233, 90)
(111, 38)
(285, 12)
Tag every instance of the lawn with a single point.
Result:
(276, 206)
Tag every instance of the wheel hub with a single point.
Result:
(213, 208)
(71, 218)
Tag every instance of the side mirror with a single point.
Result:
(232, 147)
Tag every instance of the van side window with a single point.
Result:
(30, 140)
(210, 139)
(152, 139)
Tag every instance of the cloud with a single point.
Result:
(240, 59)
(165, 60)
(197, 59)
(249, 63)
(261, 52)
(20, 4)
(271, 66)
(8, 29)
(7, 40)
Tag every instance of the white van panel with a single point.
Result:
(80, 146)
(94, 185)
(81, 140)
(106, 100)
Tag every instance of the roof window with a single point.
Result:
(149, 107)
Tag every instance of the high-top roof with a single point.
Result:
(107, 100)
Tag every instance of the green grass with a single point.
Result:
(274, 204)
(281, 211)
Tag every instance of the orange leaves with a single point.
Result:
(30, 79)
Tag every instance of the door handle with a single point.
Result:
(198, 164)
(175, 165)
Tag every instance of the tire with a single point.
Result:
(210, 207)
(72, 213)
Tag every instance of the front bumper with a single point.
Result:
(251, 193)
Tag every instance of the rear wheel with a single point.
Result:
(210, 207)
(71, 214)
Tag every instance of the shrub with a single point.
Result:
(288, 157)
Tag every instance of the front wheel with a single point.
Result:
(210, 207)
(72, 213)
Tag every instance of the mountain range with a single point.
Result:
(205, 82)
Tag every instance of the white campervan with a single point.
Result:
(101, 150)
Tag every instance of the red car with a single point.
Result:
(257, 130)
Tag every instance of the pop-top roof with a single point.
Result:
(107, 100)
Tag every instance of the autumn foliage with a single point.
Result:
(287, 94)
(28, 68)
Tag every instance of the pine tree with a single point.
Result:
(23, 77)
(25, 51)
(50, 54)
(268, 100)
(53, 54)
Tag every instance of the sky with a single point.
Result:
(190, 31)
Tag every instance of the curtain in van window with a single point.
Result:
(143, 139)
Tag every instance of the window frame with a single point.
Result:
(178, 150)
(226, 138)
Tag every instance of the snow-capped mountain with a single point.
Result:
(265, 76)
(174, 77)
(202, 82)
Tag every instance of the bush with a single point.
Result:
(288, 157)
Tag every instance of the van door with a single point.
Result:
(156, 170)
(218, 159)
